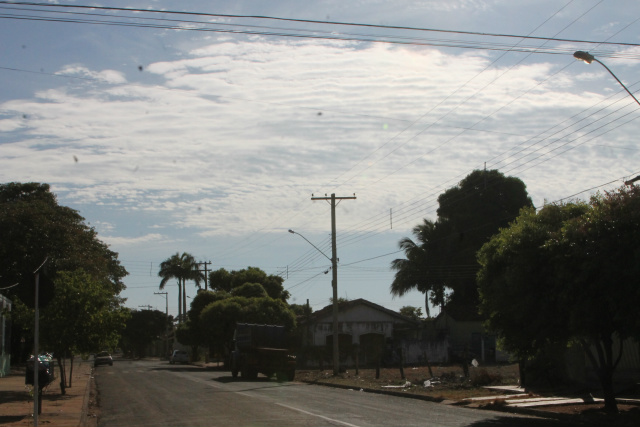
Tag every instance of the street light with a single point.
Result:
(588, 58)
(323, 254)
(334, 285)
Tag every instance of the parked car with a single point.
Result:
(179, 356)
(103, 358)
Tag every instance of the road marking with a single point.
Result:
(332, 420)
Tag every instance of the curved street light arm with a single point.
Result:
(588, 58)
(293, 232)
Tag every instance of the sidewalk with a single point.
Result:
(72, 409)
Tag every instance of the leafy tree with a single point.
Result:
(83, 316)
(518, 283)
(250, 290)
(445, 254)
(33, 227)
(599, 261)
(301, 309)
(143, 328)
(414, 313)
(218, 320)
(191, 333)
(577, 266)
(181, 267)
(222, 280)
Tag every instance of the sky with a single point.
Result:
(207, 126)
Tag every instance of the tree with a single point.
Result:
(181, 267)
(222, 280)
(250, 290)
(518, 283)
(218, 320)
(143, 328)
(599, 261)
(573, 272)
(414, 313)
(33, 227)
(83, 316)
(418, 270)
(444, 255)
(191, 332)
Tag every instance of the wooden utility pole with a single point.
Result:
(334, 281)
(205, 272)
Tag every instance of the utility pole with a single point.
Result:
(334, 281)
(205, 272)
(166, 329)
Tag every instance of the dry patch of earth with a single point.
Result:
(448, 384)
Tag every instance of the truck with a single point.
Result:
(262, 349)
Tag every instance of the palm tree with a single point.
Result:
(420, 269)
(181, 267)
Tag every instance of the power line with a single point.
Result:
(356, 37)
(322, 22)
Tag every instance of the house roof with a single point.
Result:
(328, 310)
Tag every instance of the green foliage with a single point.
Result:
(250, 290)
(568, 273)
(222, 280)
(182, 268)
(143, 328)
(414, 313)
(444, 255)
(518, 281)
(301, 309)
(83, 316)
(186, 334)
(33, 227)
(218, 319)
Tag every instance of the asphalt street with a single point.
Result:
(155, 393)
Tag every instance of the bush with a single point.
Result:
(481, 377)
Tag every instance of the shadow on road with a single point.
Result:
(176, 368)
(507, 421)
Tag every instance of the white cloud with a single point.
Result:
(148, 239)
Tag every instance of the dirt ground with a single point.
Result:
(16, 400)
(442, 383)
(449, 385)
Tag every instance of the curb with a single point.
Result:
(497, 408)
(376, 391)
(85, 420)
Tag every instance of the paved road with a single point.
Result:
(148, 393)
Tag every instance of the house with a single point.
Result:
(467, 336)
(5, 337)
(368, 334)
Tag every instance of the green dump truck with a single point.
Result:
(262, 349)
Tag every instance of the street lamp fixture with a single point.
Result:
(334, 285)
(323, 254)
(589, 58)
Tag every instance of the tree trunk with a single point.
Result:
(610, 404)
(426, 305)
(523, 373)
(63, 375)
(184, 299)
(604, 366)
(179, 300)
(71, 372)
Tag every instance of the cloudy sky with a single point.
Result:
(206, 126)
